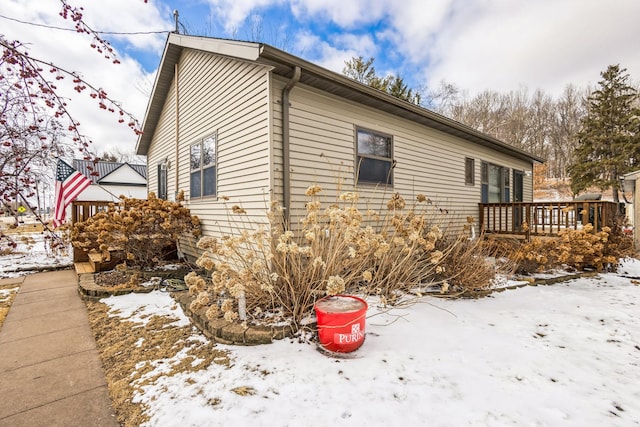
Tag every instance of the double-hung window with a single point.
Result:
(203, 167)
(374, 157)
(496, 185)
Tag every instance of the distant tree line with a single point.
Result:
(534, 122)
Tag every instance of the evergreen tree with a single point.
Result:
(609, 135)
(361, 71)
(364, 72)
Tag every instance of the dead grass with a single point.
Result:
(128, 351)
(23, 229)
(6, 300)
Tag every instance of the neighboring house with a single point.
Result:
(111, 180)
(256, 124)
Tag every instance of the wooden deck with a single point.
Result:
(544, 218)
(83, 267)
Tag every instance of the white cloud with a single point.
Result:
(128, 16)
(488, 44)
(72, 52)
(356, 44)
(333, 55)
(345, 13)
(544, 44)
(233, 13)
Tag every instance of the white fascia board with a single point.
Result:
(237, 49)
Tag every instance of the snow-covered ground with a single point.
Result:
(32, 254)
(561, 355)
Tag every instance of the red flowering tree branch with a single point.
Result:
(35, 124)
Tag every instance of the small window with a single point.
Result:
(162, 180)
(203, 168)
(469, 171)
(374, 157)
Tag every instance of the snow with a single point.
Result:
(140, 307)
(566, 354)
(340, 304)
(31, 254)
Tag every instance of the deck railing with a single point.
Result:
(83, 210)
(545, 218)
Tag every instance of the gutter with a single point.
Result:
(286, 172)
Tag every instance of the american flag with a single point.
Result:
(69, 184)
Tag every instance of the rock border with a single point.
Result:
(530, 282)
(224, 332)
(218, 330)
(88, 289)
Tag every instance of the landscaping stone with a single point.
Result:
(226, 332)
(88, 289)
(233, 333)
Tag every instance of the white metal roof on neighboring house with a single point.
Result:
(103, 169)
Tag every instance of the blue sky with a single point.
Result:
(477, 45)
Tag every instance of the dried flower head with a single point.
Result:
(238, 210)
(227, 305)
(382, 249)
(367, 276)
(313, 190)
(313, 206)
(421, 198)
(349, 195)
(352, 252)
(335, 285)
(212, 312)
(318, 262)
(436, 257)
(230, 316)
(396, 202)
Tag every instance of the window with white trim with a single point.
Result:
(203, 167)
(374, 157)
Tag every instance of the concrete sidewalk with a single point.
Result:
(50, 371)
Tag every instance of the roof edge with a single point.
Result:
(261, 53)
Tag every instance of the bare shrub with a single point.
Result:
(271, 268)
(470, 265)
(145, 230)
(578, 249)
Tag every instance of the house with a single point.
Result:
(110, 180)
(256, 124)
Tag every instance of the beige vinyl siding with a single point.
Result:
(429, 161)
(229, 98)
(275, 152)
(163, 147)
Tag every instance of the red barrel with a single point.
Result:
(341, 322)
